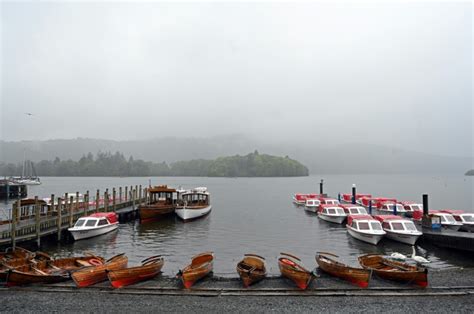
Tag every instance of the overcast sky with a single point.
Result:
(397, 74)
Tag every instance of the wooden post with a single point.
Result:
(114, 194)
(15, 210)
(97, 196)
(146, 195)
(354, 194)
(106, 200)
(321, 184)
(37, 221)
(71, 211)
(140, 195)
(120, 194)
(60, 216)
(52, 205)
(126, 193)
(133, 192)
(77, 202)
(86, 203)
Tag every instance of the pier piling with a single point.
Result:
(114, 194)
(321, 190)
(60, 216)
(37, 222)
(15, 211)
(70, 210)
(353, 194)
(97, 197)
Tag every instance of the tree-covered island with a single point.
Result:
(107, 164)
(470, 173)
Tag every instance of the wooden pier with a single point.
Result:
(62, 213)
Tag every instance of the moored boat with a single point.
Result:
(292, 268)
(12, 259)
(467, 219)
(300, 198)
(91, 275)
(161, 203)
(347, 198)
(94, 225)
(149, 269)
(201, 266)
(411, 208)
(328, 201)
(365, 228)
(447, 220)
(251, 269)
(393, 270)
(357, 276)
(49, 271)
(312, 205)
(332, 213)
(194, 204)
(354, 209)
(394, 208)
(399, 229)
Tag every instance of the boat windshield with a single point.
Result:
(358, 211)
(80, 223)
(376, 226)
(416, 207)
(410, 226)
(340, 211)
(102, 222)
(331, 211)
(363, 225)
(397, 226)
(390, 207)
(447, 218)
(468, 218)
(91, 223)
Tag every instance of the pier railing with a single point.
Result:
(59, 214)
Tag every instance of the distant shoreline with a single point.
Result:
(470, 173)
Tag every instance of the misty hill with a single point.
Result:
(107, 164)
(319, 156)
(470, 172)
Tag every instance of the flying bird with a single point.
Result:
(28, 114)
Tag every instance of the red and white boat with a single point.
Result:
(94, 225)
(332, 213)
(376, 201)
(365, 228)
(300, 198)
(467, 219)
(386, 208)
(354, 209)
(348, 197)
(447, 220)
(399, 229)
(328, 201)
(411, 208)
(312, 205)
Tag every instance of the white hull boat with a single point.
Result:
(366, 237)
(403, 237)
(94, 225)
(337, 219)
(190, 213)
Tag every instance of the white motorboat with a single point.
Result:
(332, 213)
(447, 220)
(365, 228)
(300, 198)
(328, 201)
(94, 225)
(354, 209)
(194, 204)
(467, 219)
(399, 229)
(388, 208)
(312, 205)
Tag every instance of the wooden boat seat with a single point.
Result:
(39, 271)
(83, 263)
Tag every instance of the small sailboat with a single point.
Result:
(251, 269)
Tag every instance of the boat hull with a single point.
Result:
(339, 219)
(409, 239)
(155, 212)
(452, 227)
(311, 209)
(128, 276)
(201, 266)
(91, 275)
(368, 238)
(302, 279)
(469, 227)
(396, 271)
(357, 276)
(191, 213)
(78, 234)
(251, 269)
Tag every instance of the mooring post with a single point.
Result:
(37, 221)
(425, 205)
(71, 210)
(106, 200)
(140, 195)
(66, 202)
(353, 194)
(145, 197)
(60, 216)
(86, 203)
(15, 210)
(370, 207)
(126, 193)
(97, 197)
(395, 208)
(133, 192)
(51, 209)
(321, 190)
(77, 202)
(120, 194)
(113, 199)
(339, 197)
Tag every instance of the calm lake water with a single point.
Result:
(256, 215)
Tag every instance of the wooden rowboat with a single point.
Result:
(16, 253)
(50, 271)
(251, 269)
(91, 275)
(150, 268)
(292, 268)
(9, 262)
(393, 270)
(201, 265)
(358, 276)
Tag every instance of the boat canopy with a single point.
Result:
(452, 211)
(358, 217)
(382, 218)
(111, 217)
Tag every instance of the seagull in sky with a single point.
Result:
(28, 114)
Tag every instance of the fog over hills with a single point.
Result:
(319, 157)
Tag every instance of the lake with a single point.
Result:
(256, 215)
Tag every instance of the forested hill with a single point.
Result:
(107, 164)
(470, 172)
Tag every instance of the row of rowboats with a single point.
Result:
(20, 267)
